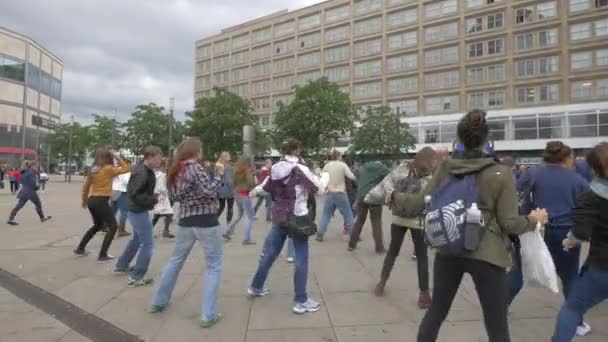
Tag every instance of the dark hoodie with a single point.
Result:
(497, 201)
(591, 222)
(370, 174)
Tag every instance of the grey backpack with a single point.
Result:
(409, 185)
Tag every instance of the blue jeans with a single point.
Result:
(587, 292)
(290, 248)
(516, 276)
(211, 242)
(142, 241)
(273, 246)
(341, 202)
(120, 204)
(245, 206)
(566, 262)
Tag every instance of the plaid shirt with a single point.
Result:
(195, 190)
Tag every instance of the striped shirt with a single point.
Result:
(195, 190)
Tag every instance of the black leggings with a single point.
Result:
(103, 216)
(230, 208)
(420, 248)
(491, 285)
(168, 220)
(14, 187)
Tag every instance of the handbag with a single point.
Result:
(298, 226)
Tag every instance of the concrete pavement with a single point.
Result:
(340, 280)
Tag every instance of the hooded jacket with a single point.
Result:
(370, 175)
(497, 202)
(590, 218)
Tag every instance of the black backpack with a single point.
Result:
(409, 185)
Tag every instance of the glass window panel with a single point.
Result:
(497, 129)
(525, 128)
(495, 21)
(583, 125)
(579, 5)
(580, 31)
(431, 134)
(550, 126)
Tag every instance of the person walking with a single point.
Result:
(13, 177)
(264, 197)
(409, 178)
(119, 200)
(226, 191)
(141, 199)
(370, 175)
(590, 223)
(27, 193)
(96, 193)
(290, 182)
(554, 186)
(336, 195)
(44, 177)
(163, 208)
(496, 212)
(244, 182)
(196, 191)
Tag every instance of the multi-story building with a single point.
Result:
(539, 67)
(30, 96)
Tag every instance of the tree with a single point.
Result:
(319, 114)
(381, 132)
(106, 132)
(218, 121)
(59, 141)
(148, 125)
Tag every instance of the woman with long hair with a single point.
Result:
(226, 191)
(96, 193)
(410, 177)
(498, 214)
(163, 208)
(27, 193)
(196, 191)
(244, 182)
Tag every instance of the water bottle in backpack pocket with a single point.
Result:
(454, 225)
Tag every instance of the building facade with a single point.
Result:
(30, 97)
(540, 68)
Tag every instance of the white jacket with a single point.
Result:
(163, 207)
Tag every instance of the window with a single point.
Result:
(401, 18)
(219, 47)
(337, 54)
(284, 65)
(525, 128)
(432, 57)
(477, 3)
(496, 98)
(581, 60)
(524, 15)
(262, 104)
(265, 120)
(402, 85)
(474, 25)
(260, 87)
(400, 63)
(366, 90)
(240, 57)
(367, 6)
(546, 10)
(284, 29)
(262, 34)
(337, 34)
(369, 26)
(240, 41)
(309, 41)
(283, 83)
(309, 76)
(203, 67)
(525, 68)
(441, 80)
(442, 104)
(525, 95)
(284, 99)
(441, 32)
(220, 63)
(405, 108)
(495, 47)
(495, 21)
(402, 40)
(582, 89)
(241, 90)
(525, 41)
(366, 69)
(475, 50)
(496, 72)
(441, 56)
(475, 75)
(338, 74)
(601, 57)
(549, 93)
(285, 46)
(476, 100)
(584, 125)
(547, 38)
(309, 59)
(550, 126)
(580, 31)
(336, 14)
(548, 65)
(602, 87)
(261, 52)
(240, 74)
(601, 28)
(601, 3)
(441, 9)
(260, 70)
(579, 5)
(204, 51)
(368, 47)
(310, 21)
(203, 82)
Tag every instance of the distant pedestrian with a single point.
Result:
(44, 177)
(141, 200)
(264, 197)
(163, 209)
(96, 193)
(13, 177)
(27, 193)
(226, 191)
(119, 200)
(244, 182)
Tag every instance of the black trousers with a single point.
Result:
(228, 204)
(22, 201)
(103, 216)
(420, 249)
(14, 187)
(492, 289)
(168, 220)
(311, 204)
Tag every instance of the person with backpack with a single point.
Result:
(410, 178)
(370, 175)
(27, 193)
(469, 229)
(289, 185)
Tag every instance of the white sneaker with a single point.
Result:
(257, 293)
(290, 260)
(583, 329)
(309, 306)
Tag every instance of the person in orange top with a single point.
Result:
(96, 197)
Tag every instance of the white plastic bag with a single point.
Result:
(376, 195)
(536, 263)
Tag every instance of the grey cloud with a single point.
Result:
(119, 54)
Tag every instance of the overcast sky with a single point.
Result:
(121, 53)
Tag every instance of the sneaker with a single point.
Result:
(123, 233)
(208, 323)
(140, 282)
(227, 237)
(81, 252)
(351, 248)
(257, 293)
(167, 234)
(12, 223)
(46, 218)
(121, 271)
(308, 306)
(290, 260)
(413, 257)
(248, 242)
(157, 308)
(319, 238)
(583, 329)
(105, 258)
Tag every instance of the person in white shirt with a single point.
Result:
(336, 194)
(119, 200)
(163, 208)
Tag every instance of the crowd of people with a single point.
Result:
(470, 206)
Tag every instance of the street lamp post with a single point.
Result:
(69, 166)
(170, 145)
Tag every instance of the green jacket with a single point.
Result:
(369, 175)
(497, 201)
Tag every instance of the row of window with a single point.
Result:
(12, 68)
(587, 30)
(37, 79)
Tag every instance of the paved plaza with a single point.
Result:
(340, 280)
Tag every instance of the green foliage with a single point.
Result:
(59, 139)
(218, 121)
(381, 132)
(149, 125)
(319, 114)
(101, 133)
